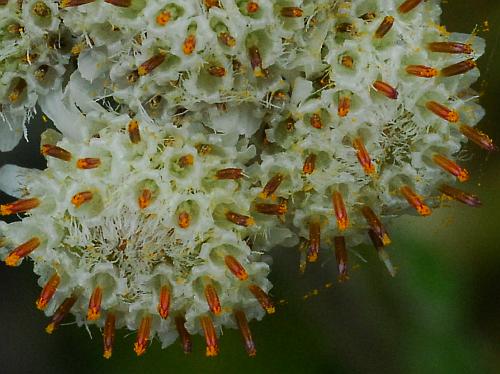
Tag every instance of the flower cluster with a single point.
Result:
(195, 136)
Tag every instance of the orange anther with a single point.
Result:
(217, 71)
(134, 132)
(363, 156)
(242, 322)
(341, 257)
(451, 167)
(189, 44)
(164, 303)
(226, 39)
(88, 163)
(22, 251)
(210, 336)
(450, 47)
(145, 198)
(309, 164)
(344, 106)
(55, 151)
(149, 65)
(314, 241)
(385, 27)
(291, 11)
(252, 7)
(442, 111)
(376, 225)
(408, 5)
(458, 68)
(212, 299)
(236, 268)
(163, 17)
(19, 206)
(340, 211)
(478, 137)
(108, 335)
(347, 61)
(186, 343)
(143, 333)
(421, 71)
(81, 197)
(184, 220)
(385, 89)
(263, 298)
(48, 291)
(271, 186)
(415, 201)
(239, 219)
(185, 161)
(272, 209)
(315, 121)
(94, 311)
(229, 173)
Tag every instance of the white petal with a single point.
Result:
(11, 129)
(13, 179)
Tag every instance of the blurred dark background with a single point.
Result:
(441, 314)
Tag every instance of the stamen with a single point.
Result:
(256, 62)
(340, 211)
(263, 298)
(347, 61)
(212, 299)
(382, 254)
(163, 17)
(344, 106)
(134, 132)
(415, 201)
(61, 313)
(212, 4)
(451, 167)
(309, 164)
(145, 198)
(22, 251)
(94, 311)
(459, 195)
(271, 186)
(185, 161)
(242, 322)
(450, 47)
(458, 68)
(440, 110)
(217, 71)
(17, 91)
(56, 152)
(164, 303)
(408, 5)
(149, 65)
(88, 163)
(19, 206)
(315, 121)
(184, 220)
(252, 7)
(376, 225)
(81, 197)
(384, 27)
(120, 3)
(236, 268)
(48, 292)
(229, 173)
(239, 219)
(341, 257)
(189, 44)
(385, 89)
(143, 333)
(41, 72)
(210, 336)
(314, 241)
(421, 71)
(272, 209)
(108, 335)
(71, 3)
(226, 39)
(291, 11)
(186, 343)
(478, 137)
(369, 16)
(363, 156)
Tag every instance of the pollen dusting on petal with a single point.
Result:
(94, 310)
(415, 201)
(61, 313)
(246, 334)
(108, 335)
(263, 298)
(212, 298)
(236, 268)
(340, 211)
(341, 257)
(210, 336)
(164, 303)
(55, 151)
(143, 334)
(186, 343)
(81, 197)
(19, 206)
(48, 291)
(88, 163)
(22, 251)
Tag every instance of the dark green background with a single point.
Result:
(441, 314)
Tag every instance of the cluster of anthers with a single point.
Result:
(195, 136)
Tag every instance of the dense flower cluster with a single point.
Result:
(195, 136)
